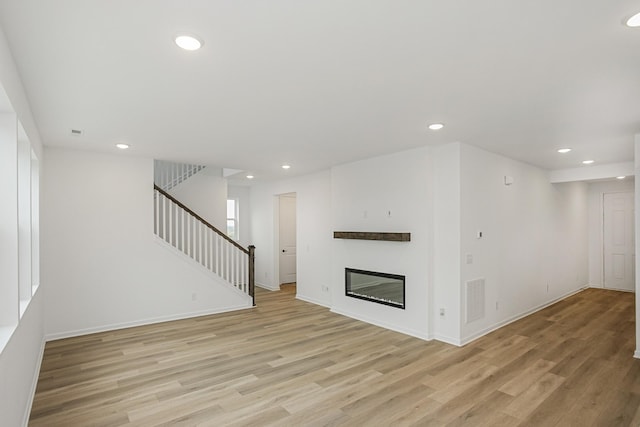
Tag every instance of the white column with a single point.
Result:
(637, 219)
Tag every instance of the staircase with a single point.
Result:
(167, 175)
(192, 235)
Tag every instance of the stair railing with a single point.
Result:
(169, 174)
(189, 233)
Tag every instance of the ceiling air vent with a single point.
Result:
(76, 132)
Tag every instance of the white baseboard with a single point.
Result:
(376, 322)
(34, 384)
(143, 322)
(636, 354)
(489, 329)
(447, 340)
(313, 301)
(268, 287)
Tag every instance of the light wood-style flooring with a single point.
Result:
(291, 363)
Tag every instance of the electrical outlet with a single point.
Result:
(469, 259)
(325, 288)
(497, 306)
(442, 312)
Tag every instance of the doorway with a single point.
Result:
(619, 241)
(287, 238)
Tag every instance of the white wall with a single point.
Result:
(534, 235)
(243, 195)
(20, 365)
(385, 194)
(102, 264)
(20, 358)
(596, 194)
(205, 193)
(314, 234)
(446, 244)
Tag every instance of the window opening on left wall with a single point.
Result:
(232, 219)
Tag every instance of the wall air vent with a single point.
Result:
(76, 132)
(475, 299)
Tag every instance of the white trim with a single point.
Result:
(268, 287)
(410, 332)
(312, 301)
(144, 322)
(34, 384)
(636, 354)
(447, 340)
(489, 329)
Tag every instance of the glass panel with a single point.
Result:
(382, 288)
(231, 208)
(231, 228)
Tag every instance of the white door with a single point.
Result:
(619, 241)
(287, 238)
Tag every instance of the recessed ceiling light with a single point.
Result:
(564, 150)
(249, 176)
(436, 126)
(188, 42)
(634, 21)
(286, 166)
(620, 177)
(122, 146)
(587, 162)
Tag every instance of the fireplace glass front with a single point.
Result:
(383, 288)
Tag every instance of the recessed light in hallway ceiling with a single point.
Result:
(620, 177)
(564, 150)
(587, 162)
(286, 166)
(122, 146)
(634, 21)
(188, 42)
(436, 126)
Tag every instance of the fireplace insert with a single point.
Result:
(383, 288)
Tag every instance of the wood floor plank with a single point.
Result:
(290, 363)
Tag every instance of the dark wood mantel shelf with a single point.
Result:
(367, 235)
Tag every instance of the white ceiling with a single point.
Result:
(318, 83)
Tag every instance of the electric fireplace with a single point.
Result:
(383, 288)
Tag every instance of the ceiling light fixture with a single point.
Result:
(564, 150)
(286, 166)
(587, 162)
(436, 126)
(249, 176)
(634, 21)
(620, 177)
(122, 146)
(188, 42)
